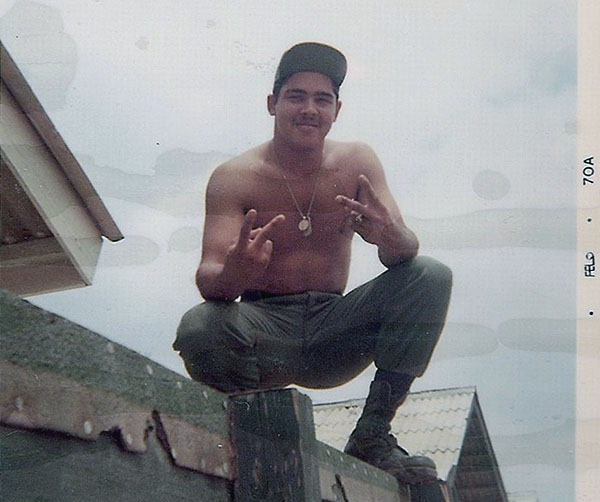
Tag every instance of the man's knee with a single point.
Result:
(429, 271)
(435, 271)
(214, 350)
(204, 324)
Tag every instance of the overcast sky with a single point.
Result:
(469, 104)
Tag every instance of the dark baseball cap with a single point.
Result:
(311, 56)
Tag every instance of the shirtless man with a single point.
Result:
(279, 224)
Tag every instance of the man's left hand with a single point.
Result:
(367, 216)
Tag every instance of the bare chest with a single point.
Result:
(303, 201)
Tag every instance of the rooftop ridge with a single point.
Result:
(438, 450)
(431, 429)
(419, 394)
(433, 412)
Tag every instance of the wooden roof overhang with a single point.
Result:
(52, 220)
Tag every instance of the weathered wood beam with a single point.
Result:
(275, 444)
(434, 491)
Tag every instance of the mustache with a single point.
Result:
(306, 122)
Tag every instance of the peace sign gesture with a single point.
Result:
(368, 216)
(375, 216)
(249, 256)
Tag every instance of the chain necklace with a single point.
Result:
(305, 223)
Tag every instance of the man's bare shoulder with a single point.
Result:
(237, 169)
(249, 160)
(348, 148)
(353, 154)
(235, 182)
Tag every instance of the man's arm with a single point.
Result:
(374, 214)
(234, 254)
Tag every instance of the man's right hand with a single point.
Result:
(249, 257)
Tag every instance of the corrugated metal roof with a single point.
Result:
(431, 423)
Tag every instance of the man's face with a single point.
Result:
(305, 109)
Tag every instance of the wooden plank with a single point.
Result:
(45, 466)
(34, 251)
(46, 275)
(47, 343)
(345, 478)
(435, 491)
(38, 266)
(41, 400)
(274, 439)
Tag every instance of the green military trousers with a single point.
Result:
(315, 339)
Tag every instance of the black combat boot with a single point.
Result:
(372, 442)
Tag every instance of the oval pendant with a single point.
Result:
(304, 226)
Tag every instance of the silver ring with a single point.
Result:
(359, 218)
